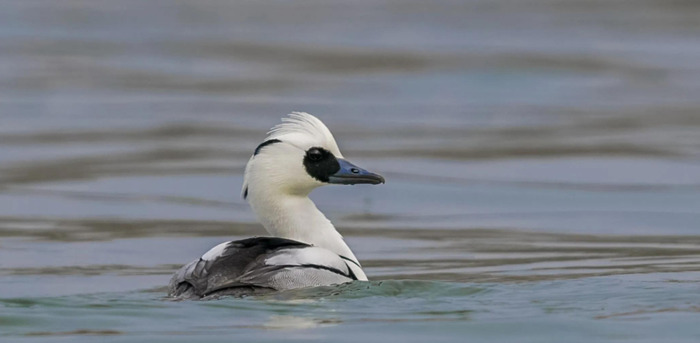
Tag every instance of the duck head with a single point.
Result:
(299, 155)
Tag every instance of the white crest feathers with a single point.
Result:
(303, 128)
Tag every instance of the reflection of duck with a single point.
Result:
(298, 156)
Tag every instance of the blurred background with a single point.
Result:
(530, 147)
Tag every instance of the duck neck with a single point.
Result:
(296, 217)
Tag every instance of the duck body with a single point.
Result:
(260, 265)
(298, 156)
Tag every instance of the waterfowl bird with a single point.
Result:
(298, 155)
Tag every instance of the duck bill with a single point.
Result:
(350, 174)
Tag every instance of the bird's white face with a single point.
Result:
(299, 155)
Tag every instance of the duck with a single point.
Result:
(304, 249)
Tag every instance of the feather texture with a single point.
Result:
(304, 129)
(257, 266)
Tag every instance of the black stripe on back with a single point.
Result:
(351, 274)
(267, 243)
(349, 259)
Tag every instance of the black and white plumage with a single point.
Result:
(260, 265)
(298, 156)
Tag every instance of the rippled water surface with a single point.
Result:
(542, 161)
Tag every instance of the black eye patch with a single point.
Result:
(320, 163)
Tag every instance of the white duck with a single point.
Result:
(297, 156)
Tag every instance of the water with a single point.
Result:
(414, 310)
(542, 164)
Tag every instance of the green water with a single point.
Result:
(413, 311)
(542, 160)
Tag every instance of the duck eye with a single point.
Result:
(315, 155)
